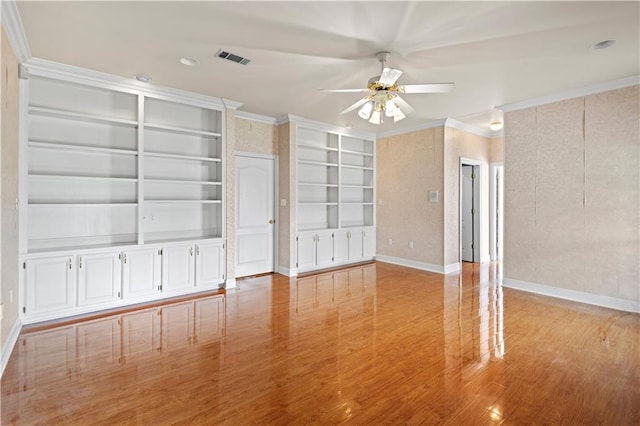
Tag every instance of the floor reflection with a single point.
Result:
(371, 344)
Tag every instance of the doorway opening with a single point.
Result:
(469, 211)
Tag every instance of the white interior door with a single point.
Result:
(468, 214)
(255, 215)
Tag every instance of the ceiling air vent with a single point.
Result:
(233, 58)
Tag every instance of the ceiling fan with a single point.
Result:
(384, 99)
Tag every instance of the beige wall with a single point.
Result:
(459, 144)
(286, 188)
(408, 166)
(496, 150)
(256, 137)
(572, 194)
(8, 188)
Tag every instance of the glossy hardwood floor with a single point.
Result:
(375, 344)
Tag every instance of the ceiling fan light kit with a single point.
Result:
(384, 99)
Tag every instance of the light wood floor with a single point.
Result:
(375, 344)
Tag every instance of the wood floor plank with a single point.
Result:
(372, 344)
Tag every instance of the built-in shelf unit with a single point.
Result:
(335, 197)
(114, 167)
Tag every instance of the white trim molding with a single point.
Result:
(572, 93)
(12, 24)
(415, 264)
(230, 283)
(287, 272)
(403, 131)
(245, 115)
(12, 339)
(459, 125)
(573, 295)
(325, 127)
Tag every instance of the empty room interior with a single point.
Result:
(237, 212)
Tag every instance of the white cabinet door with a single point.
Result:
(99, 278)
(177, 267)
(340, 246)
(306, 251)
(355, 245)
(50, 285)
(210, 261)
(141, 273)
(369, 243)
(324, 249)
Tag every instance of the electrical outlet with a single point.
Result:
(410, 244)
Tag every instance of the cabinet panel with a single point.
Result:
(50, 284)
(177, 267)
(369, 243)
(340, 246)
(306, 251)
(355, 244)
(324, 249)
(141, 272)
(209, 263)
(99, 278)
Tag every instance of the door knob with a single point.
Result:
(271, 222)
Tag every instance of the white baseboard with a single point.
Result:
(10, 344)
(418, 265)
(230, 283)
(289, 272)
(574, 295)
(452, 268)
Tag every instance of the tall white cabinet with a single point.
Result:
(335, 197)
(122, 192)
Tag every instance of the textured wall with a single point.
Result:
(9, 188)
(572, 194)
(408, 166)
(286, 230)
(462, 144)
(253, 136)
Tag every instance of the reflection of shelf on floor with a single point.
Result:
(74, 204)
(71, 115)
(182, 130)
(81, 177)
(182, 157)
(80, 148)
(189, 182)
(183, 201)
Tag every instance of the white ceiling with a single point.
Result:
(495, 52)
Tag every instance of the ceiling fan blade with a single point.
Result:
(389, 76)
(344, 90)
(404, 107)
(357, 104)
(428, 88)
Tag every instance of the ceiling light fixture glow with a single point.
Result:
(365, 111)
(602, 44)
(495, 125)
(190, 62)
(390, 108)
(497, 120)
(398, 115)
(376, 117)
(142, 77)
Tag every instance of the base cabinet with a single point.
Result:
(50, 285)
(324, 249)
(64, 285)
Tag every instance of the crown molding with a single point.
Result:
(79, 75)
(325, 127)
(572, 93)
(457, 124)
(256, 117)
(424, 126)
(12, 24)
